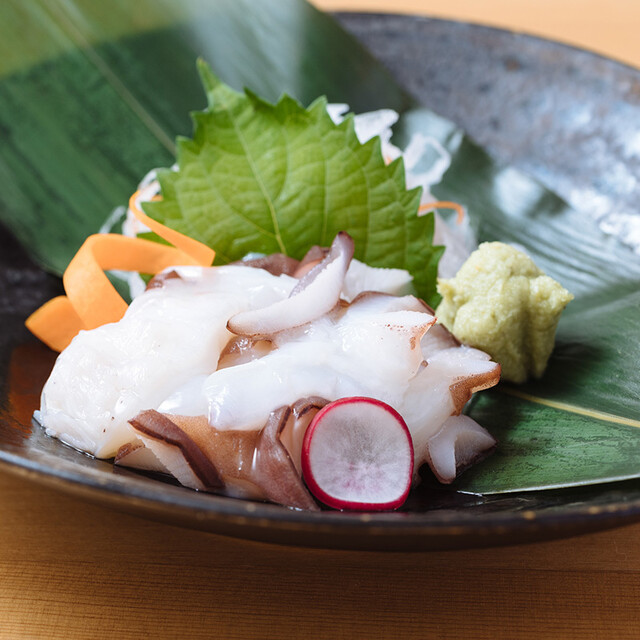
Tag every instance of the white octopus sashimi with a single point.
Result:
(213, 374)
(168, 335)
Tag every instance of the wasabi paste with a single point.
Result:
(501, 303)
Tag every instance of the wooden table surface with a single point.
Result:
(73, 570)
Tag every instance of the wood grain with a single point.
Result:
(73, 570)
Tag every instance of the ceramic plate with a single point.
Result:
(525, 100)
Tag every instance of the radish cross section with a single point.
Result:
(358, 454)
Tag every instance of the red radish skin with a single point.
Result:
(357, 455)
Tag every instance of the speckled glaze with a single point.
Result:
(558, 113)
(566, 116)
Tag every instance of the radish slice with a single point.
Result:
(357, 454)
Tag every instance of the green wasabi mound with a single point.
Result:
(501, 303)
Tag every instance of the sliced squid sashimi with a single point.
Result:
(315, 294)
(361, 352)
(136, 455)
(367, 302)
(248, 464)
(168, 336)
(241, 349)
(188, 399)
(275, 263)
(314, 256)
(177, 451)
(273, 468)
(460, 443)
(361, 277)
(292, 436)
(150, 386)
(442, 388)
(437, 339)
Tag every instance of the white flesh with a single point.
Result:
(140, 457)
(361, 277)
(364, 352)
(459, 443)
(315, 294)
(428, 401)
(168, 337)
(173, 459)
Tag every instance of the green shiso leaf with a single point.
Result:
(279, 178)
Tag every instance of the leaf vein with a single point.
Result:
(564, 406)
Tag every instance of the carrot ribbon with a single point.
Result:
(429, 206)
(91, 300)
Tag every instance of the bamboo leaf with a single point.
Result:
(91, 100)
(580, 423)
(544, 447)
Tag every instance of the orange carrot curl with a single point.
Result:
(429, 206)
(91, 299)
